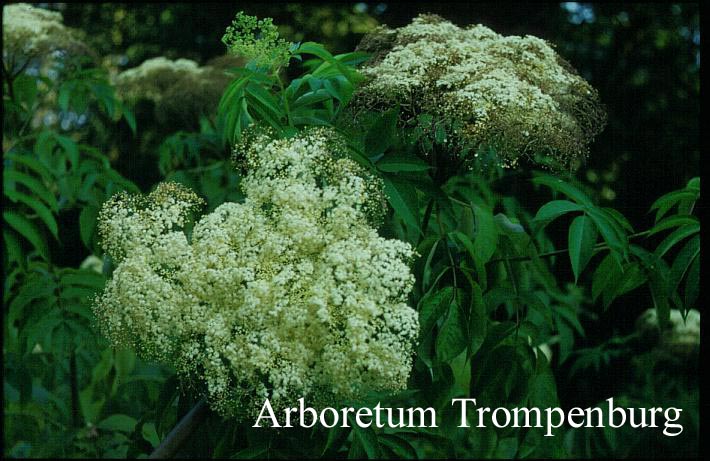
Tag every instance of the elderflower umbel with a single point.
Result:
(290, 294)
(514, 94)
(34, 32)
(181, 89)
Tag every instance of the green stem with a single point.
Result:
(285, 99)
(597, 247)
(425, 221)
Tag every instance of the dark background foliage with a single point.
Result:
(644, 60)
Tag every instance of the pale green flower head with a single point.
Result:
(290, 294)
(480, 90)
(31, 32)
(257, 40)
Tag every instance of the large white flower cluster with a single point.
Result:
(290, 294)
(31, 32)
(512, 93)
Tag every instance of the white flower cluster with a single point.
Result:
(32, 32)
(511, 93)
(290, 294)
(151, 79)
(181, 89)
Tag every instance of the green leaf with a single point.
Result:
(311, 98)
(118, 422)
(251, 453)
(42, 211)
(565, 188)
(33, 185)
(394, 164)
(582, 238)
(673, 221)
(124, 362)
(31, 163)
(607, 271)
(400, 447)
(619, 218)
(485, 240)
(13, 248)
(403, 198)
(472, 251)
(150, 435)
(632, 277)
(382, 133)
(478, 320)
(25, 89)
(84, 278)
(70, 148)
(28, 230)
(432, 307)
(452, 338)
(612, 233)
(365, 440)
(87, 222)
(683, 261)
(336, 437)
(130, 119)
(554, 209)
(692, 281)
(676, 237)
(669, 200)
